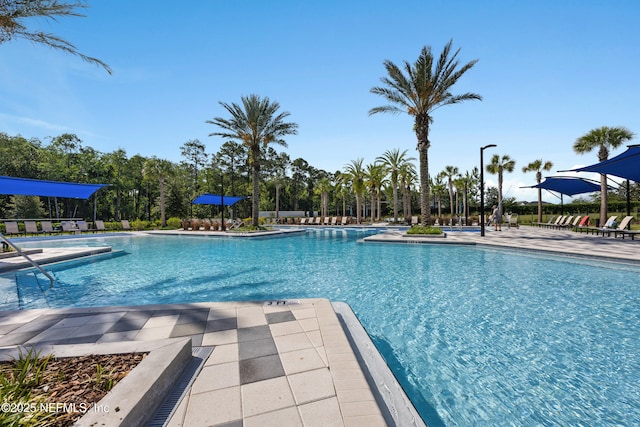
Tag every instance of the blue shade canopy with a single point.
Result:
(35, 187)
(625, 165)
(568, 185)
(216, 199)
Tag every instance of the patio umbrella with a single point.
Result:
(567, 185)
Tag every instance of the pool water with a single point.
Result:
(475, 336)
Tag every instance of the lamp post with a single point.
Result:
(222, 202)
(482, 187)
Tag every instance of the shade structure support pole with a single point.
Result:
(5, 241)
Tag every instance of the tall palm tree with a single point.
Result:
(13, 13)
(255, 124)
(323, 188)
(355, 174)
(438, 189)
(374, 176)
(424, 88)
(159, 170)
(538, 166)
(407, 180)
(604, 139)
(497, 167)
(393, 161)
(450, 172)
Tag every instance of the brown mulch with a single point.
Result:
(75, 386)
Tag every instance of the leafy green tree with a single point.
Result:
(393, 161)
(425, 87)
(538, 166)
(354, 173)
(231, 158)
(14, 13)
(26, 207)
(498, 166)
(300, 172)
(257, 123)
(159, 170)
(604, 139)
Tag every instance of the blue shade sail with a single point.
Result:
(625, 165)
(216, 199)
(35, 187)
(568, 185)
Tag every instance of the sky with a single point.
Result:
(549, 71)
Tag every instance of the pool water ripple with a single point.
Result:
(476, 336)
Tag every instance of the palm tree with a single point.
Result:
(499, 166)
(255, 124)
(158, 170)
(425, 88)
(438, 189)
(354, 172)
(603, 138)
(538, 166)
(450, 172)
(13, 13)
(323, 188)
(374, 176)
(407, 179)
(394, 161)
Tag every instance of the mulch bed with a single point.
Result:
(75, 384)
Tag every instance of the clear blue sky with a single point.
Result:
(549, 71)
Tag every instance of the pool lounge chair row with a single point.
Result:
(46, 227)
(619, 230)
(334, 220)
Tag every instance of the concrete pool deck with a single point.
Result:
(277, 364)
(273, 363)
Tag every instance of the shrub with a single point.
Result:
(173, 222)
(421, 229)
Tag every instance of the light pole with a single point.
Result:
(223, 228)
(482, 187)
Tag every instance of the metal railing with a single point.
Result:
(5, 241)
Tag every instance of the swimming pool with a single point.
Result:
(475, 336)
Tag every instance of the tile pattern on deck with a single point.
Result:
(272, 365)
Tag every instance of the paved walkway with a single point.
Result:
(562, 242)
(271, 365)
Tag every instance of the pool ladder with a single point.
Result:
(6, 242)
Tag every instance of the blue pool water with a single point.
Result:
(475, 336)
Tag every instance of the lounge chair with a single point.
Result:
(327, 220)
(334, 220)
(512, 221)
(623, 232)
(548, 223)
(620, 229)
(572, 222)
(602, 229)
(11, 227)
(47, 227)
(559, 220)
(414, 220)
(69, 226)
(345, 220)
(125, 224)
(82, 226)
(303, 221)
(30, 227)
(565, 223)
(99, 225)
(318, 220)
